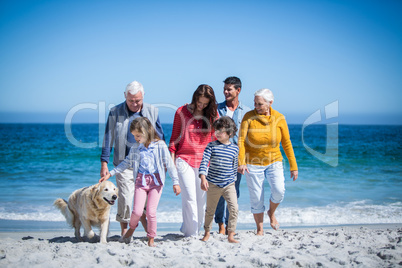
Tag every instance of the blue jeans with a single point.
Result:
(220, 208)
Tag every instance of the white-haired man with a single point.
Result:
(118, 136)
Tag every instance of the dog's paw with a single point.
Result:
(79, 238)
(90, 234)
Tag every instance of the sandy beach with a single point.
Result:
(340, 246)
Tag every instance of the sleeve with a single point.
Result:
(213, 137)
(287, 145)
(242, 137)
(108, 139)
(126, 163)
(168, 163)
(159, 129)
(205, 160)
(176, 131)
(236, 162)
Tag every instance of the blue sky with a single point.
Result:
(59, 57)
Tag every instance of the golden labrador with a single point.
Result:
(89, 206)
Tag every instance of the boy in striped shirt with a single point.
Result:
(219, 179)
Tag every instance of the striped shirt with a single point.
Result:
(222, 161)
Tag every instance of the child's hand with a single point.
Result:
(176, 189)
(104, 178)
(204, 183)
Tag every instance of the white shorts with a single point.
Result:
(126, 185)
(255, 182)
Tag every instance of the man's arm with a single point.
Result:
(159, 129)
(107, 145)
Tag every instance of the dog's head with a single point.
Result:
(105, 191)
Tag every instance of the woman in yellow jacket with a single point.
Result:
(261, 132)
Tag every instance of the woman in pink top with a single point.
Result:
(192, 131)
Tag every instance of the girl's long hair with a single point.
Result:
(144, 126)
(210, 112)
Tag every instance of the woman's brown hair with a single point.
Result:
(210, 112)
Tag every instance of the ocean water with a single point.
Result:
(348, 174)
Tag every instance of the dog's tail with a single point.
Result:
(62, 205)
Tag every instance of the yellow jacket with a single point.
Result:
(259, 139)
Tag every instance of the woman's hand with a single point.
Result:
(176, 189)
(242, 168)
(294, 174)
(104, 178)
(173, 155)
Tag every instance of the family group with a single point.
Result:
(212, 145)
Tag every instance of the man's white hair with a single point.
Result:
(135, 87)
(265, 93)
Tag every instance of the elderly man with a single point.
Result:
(117, 135)
(233, 108)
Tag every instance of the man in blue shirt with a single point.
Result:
(118, 136)
(233, 108)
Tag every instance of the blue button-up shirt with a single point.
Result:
(147, 163)
(238, 114)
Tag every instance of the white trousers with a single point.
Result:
(255, 182)
(193, 199)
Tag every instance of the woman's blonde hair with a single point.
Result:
(144, 126)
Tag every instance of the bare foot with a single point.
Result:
(124, 228)
(260, 232)
(221, 228)
(259, 221)
(206, 237)
(151, 241)
(231, 237)
(126, 238)
(274, 222)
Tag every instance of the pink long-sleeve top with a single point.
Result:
(189, 139)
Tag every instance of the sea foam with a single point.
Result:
(359, 212)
